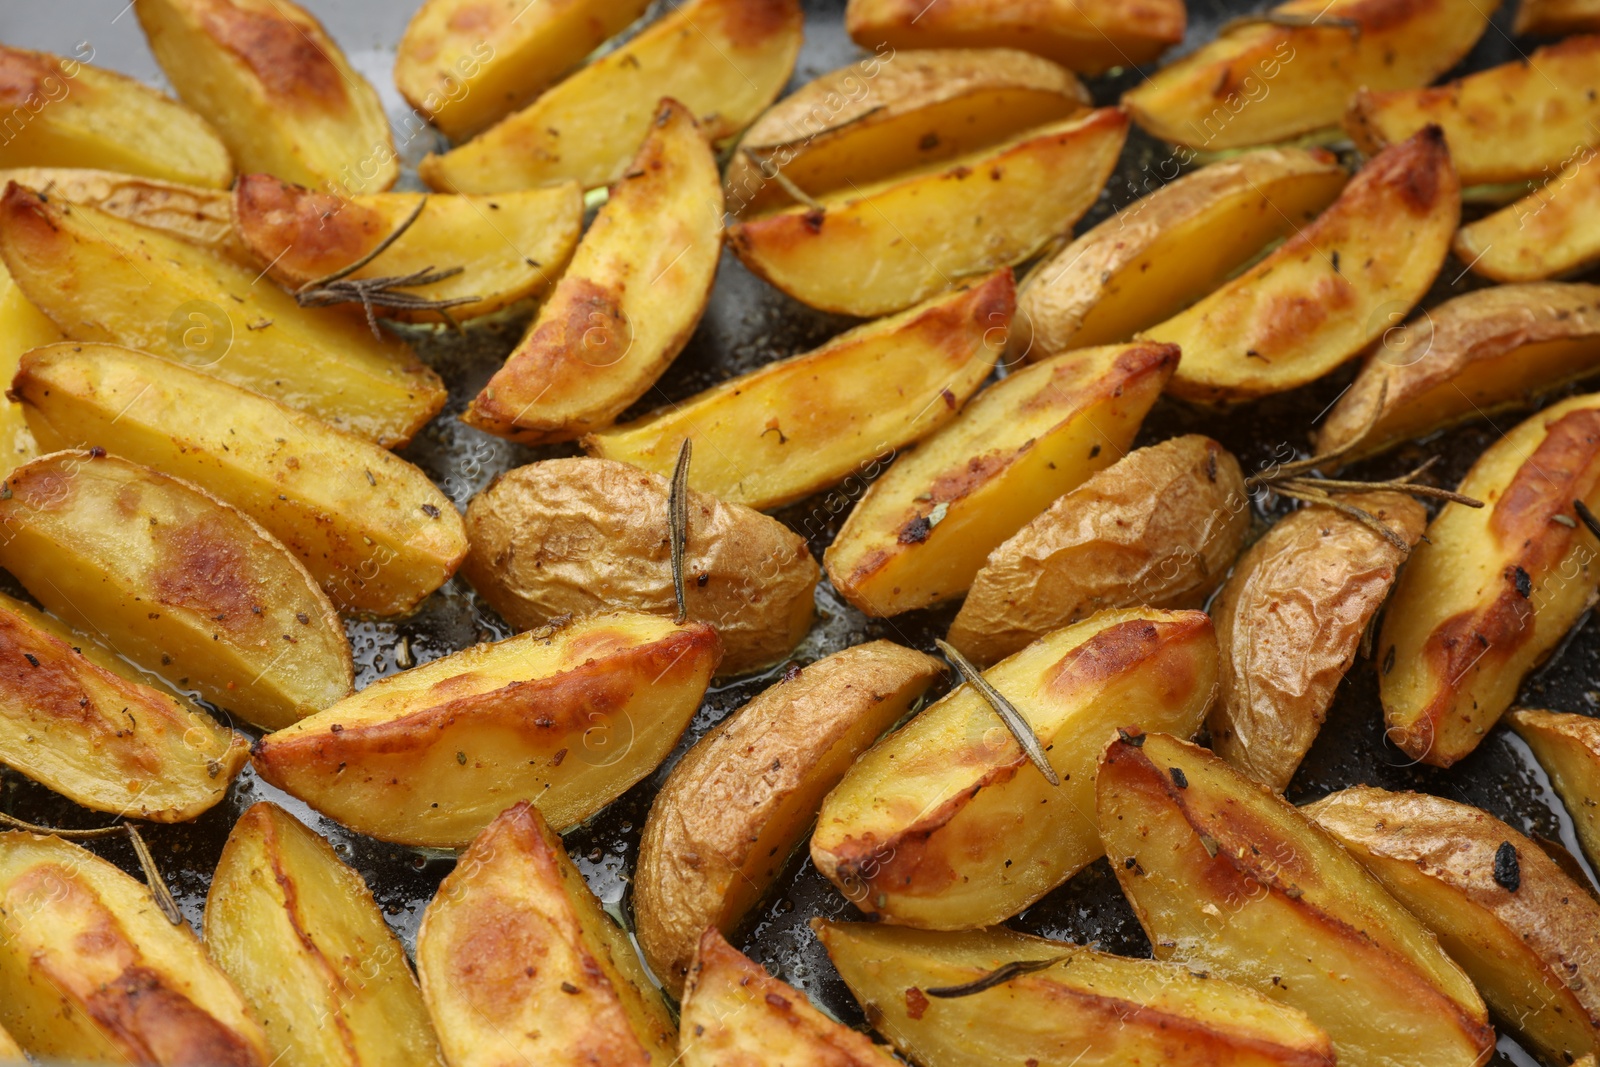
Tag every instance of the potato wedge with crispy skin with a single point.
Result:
(175, 580)
(883, 116)
(627, 305)
(725, 823)
(369, 527)
(1326, 293)
(63, 113)
(1491, 591)
(1548, 233)
(195, 213)
(1527, 934)
(880, 247)
(724, 60)
(579, 536)
(1260, 82)
(945, 824)
(1477, 354)
(1163, 252)
(923, 530)
(22, 326)
(1087, 1009)
(1290, 621)
(513, 898)
(94, 972)
(510, 247)
(281, 94)
(302, 938)
(801, 424)
(567, 717)
(1555, 17)
(1227, 877)
(102, 278)
(1157, 528)
(1568, 748)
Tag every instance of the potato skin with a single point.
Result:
(1568, 747)
(1555, 17)
(1548, 233)
(1159, 527)
(196, 213)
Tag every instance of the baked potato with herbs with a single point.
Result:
(22, 326)
(196, 213)
(1568, 747)
(1549, 233)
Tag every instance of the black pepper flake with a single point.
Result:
(97, 452)
(1136, 739)
(1335, 258)
(430, 511)
(302, 618)
(337, 728)
(569, 989)
(31, 658)
(916, 531)
(1507, 871)
(791, 672)
(461, 758)
(1179, 779)
(1094, 450)
(1524, 584)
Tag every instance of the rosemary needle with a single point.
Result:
(678, 523)
(147, 862)
(999, 976)
(1005, 709)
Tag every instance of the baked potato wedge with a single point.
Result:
(174, 579)
(846, 407)
(102, 278)
(922, 531)
(1085, 1009)
(944, 824)
(724, 60)
(10, 1051)
(731, 813)
(1491, 591)
(1323, 295)
(1229, 878)
(280, 93)
(1267, 80)
(567, 717)
(22, 326)
(1526, 933)
(369, 527)
(510, 247)
(513, 898)
(198, 214)
(1555, 17)
(302, 938)
(1548, 233)
(580, 536)
(465, 65)
(880, 247)
(627, 305)
(94, 972)
(1471, 356)
(1158, 528)
(1290, 620)
(1568, 748)
(63, 113)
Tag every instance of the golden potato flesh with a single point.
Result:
(10, 1051)
(1331, 289)
(1527, 934)
(628, 303)
(880, 247)
(464, 64)
(1161, 253)
(881, 116)
(278, 89)
(368, 526)
(22, 326)
(945, 824)
(175, 580)
(1492, 590)
(567, 717)
(63, 113)
(723, 60)
(1157, 528)
(1552, 17)
(1568, 747)
(725, 823)
(580, 536)
(302, 938)
(1290, 620)
(511, 247)
(1086, 1009)
(519, 964)
(1228, 878)
(801, 424)
(94, 972)
(1554, 230)
(102, 278)
(198, 214)
(923, 530)
(1261, 81)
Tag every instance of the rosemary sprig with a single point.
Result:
(785, 182)
(147, 862)
(678, 523)
(999, 976)
(1026, 738)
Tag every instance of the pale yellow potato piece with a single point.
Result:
(567, 717)
(373, 531)
(801, 424)
(519, 964)
(1568, 748)
(1554, 17)
(883, 246)
(1551, 232)
(22, 326)
(628, 303)
(94, 972)
(723, 60)
(302, 938)
(945, 824)
(923, 530)
(281, 94)
(198, 214)
(1227, 878)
